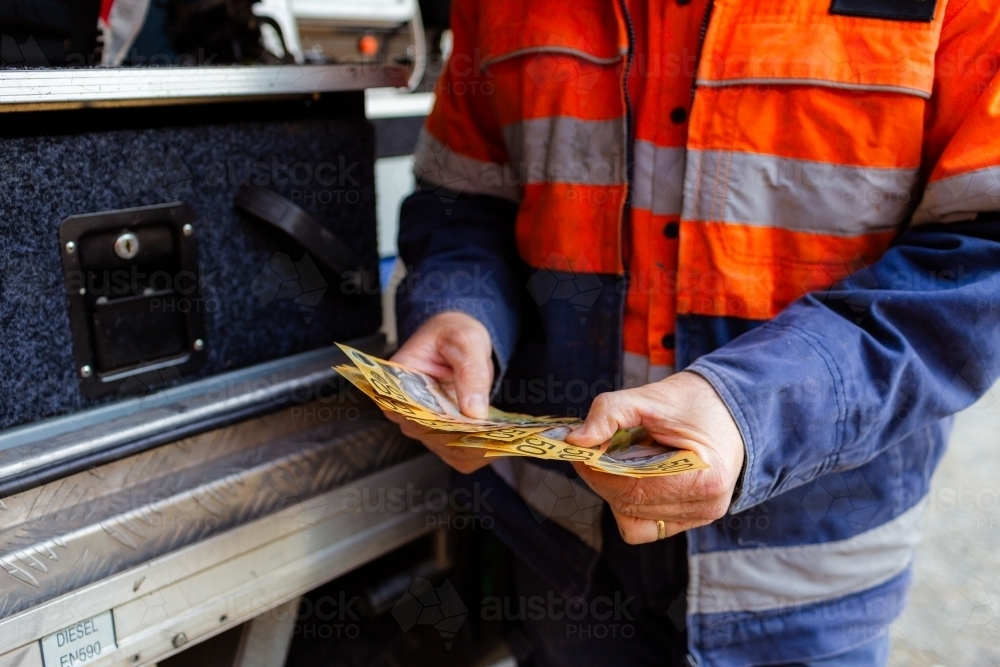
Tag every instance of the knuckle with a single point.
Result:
(623, 507)
(602, 403)
(457, 337)
(711, 486)
(717, 510)
(635, 494)
(462, 338)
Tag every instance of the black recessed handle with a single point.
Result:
(282, 214)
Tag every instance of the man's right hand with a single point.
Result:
(455, 349)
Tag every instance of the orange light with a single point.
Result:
(368, 45)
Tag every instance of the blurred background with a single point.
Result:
(953, 618)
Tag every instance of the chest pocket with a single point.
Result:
(801, 42)
(804, 150)
(586, 30)
(810, 121)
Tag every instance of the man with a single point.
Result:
(767, 232)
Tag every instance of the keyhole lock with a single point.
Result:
(132, 315)
(127, 245)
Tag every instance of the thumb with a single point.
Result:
(610, 412)
(472, 369)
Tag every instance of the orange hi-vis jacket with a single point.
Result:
(790, 151)
(797, 199)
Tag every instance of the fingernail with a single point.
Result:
(476, 406)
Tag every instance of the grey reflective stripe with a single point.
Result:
(774, 81)
(552, 495)
(550, 50)
(960, 197)
(436, 165)
(637, 371)
(780, 577)
(799, 195)
(563, 149)
(658, 178)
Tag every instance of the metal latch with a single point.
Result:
(135, 303)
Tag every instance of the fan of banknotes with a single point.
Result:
(421, 399)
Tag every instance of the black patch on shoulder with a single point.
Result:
(894, 10)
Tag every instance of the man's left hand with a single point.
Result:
(682, 411)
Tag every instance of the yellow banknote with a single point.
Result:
(421, 399)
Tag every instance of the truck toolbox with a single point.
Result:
(179, 249)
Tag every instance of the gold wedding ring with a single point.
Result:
(661, 529)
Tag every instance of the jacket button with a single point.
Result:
(671, 230)
(668, 341)
(679, 115)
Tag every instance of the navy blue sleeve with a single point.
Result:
(460, 255)
(838, 376)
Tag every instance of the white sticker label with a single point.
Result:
(80, 643)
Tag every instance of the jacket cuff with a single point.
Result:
(784, 392)
(741, 494)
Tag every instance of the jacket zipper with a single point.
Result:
(629, 111)
(701, 45)
(629, 121)
(623, 229)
